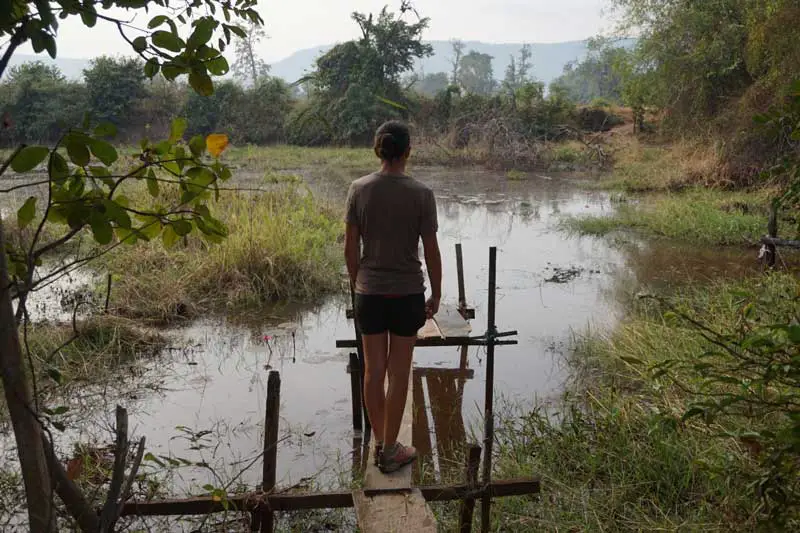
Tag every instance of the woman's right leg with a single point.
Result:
(375, 355)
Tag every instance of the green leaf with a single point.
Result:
(152, 67)
(89, 15)
(155, 22)
(238, 31)
(50, 45)
(105, 129)
(152, 183)
(392, 103)
(140, 44)
(60, 410)
(182, 227)
(116, 213)
(197, 145)
(201, 83)
(172, 71)
(59, 169)
(218, 66)
(103, 151)
(26, 213)
(101, 228)
(59, 426)
(631, 360)
(125, 235)
(177, 129)
(169, 237)
(151, 228)
(200, 176)
(152, 458)
(208, 488)
(77, 150)
(99, 172)
(28, 158)
(202, 33)
(168, 41)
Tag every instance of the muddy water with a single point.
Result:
(203, 401)
(217, 385)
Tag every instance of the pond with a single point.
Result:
(203, 399)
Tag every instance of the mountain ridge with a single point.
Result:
(548, 59)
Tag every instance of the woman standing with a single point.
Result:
(387, 213)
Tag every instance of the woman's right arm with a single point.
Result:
(433, 257)
(352, 254)
(433, 260)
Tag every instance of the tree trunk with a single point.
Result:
(27, 430)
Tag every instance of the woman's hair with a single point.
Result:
(392, 140)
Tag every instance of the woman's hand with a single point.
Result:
(432, 306)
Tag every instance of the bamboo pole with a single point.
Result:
(488, 412)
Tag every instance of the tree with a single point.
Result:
(356, 85)
(475, 73)
(455, 61)
(248, 67)
(114, 86)
(83, 192)
(517, 71)
(432, 84)
(601, 74)
(39, 103)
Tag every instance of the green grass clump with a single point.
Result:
(91, 352)
(282, 245)
(617, 454)
(700, 216)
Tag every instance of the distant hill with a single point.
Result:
(548, 58)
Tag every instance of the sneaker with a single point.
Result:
(378, 453)
(396, 457)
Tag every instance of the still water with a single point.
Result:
(203, 399)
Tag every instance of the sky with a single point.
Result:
(297, 24)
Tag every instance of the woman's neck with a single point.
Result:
(393, 167)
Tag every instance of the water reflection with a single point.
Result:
(209, 405)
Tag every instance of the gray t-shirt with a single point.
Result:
(391, 212)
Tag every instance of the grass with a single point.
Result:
(616, 455)
(648, 166)
(699, 216)
(102, 345)
(282, 245)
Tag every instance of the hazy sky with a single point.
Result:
(297, 24)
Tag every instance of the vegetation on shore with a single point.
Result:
(661, 431)
(699, 216)
(282, 245)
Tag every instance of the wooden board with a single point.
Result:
(394, 513)
(451, 323)
(400, 511)
(448, 422)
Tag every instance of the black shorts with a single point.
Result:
(400, 315)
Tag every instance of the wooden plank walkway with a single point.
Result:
(401, 511)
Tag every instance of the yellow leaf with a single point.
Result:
(216, 498)
(216, 143)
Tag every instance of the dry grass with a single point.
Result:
(282, 245)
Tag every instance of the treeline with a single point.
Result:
(705, 69)
(38, 104)
(353, 88)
